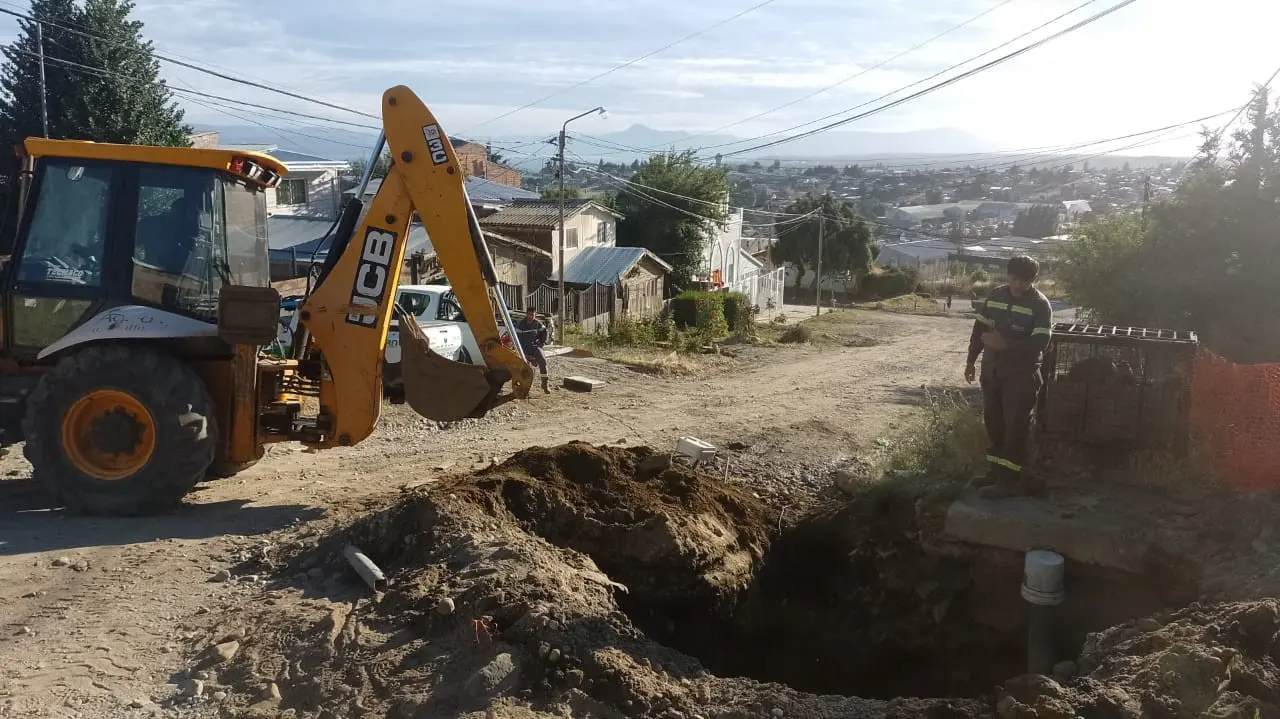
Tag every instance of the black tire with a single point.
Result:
(185, 430)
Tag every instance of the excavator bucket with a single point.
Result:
(438, 388)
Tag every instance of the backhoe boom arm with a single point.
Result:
(347, 316)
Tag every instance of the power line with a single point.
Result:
(950, 81)
(858, 74)
(191, 66)
(626, 64)
(921, 81)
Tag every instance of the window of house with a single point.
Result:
(602, 234)
(571, 238)
(291, 192)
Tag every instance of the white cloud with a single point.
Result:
(1149, 64)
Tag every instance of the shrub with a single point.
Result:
(979, 276)
(664, 327)
(629, 332)
(796, 334)
(890, 282)
(737, 312)
(710, 313)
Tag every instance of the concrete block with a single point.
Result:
(695, 449)
(582, 384)
(1026, 523)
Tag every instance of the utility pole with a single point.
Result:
(560, 163)
(1146, 200)
(44, 102)
(817, 302)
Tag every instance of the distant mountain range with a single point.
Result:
(639, 141)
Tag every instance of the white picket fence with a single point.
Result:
(764, 289)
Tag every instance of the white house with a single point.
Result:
(311, 188)
(728, 255)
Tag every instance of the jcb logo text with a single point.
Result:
(371, 275)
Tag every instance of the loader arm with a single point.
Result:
(348, 313)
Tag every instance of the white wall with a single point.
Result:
(724, 250)
(323, 199)
(587, 223)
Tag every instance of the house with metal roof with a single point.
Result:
(537, 222)
(637, 277)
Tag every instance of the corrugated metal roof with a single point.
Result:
(482, 190)
(290, 229)
(544, 214)
(298, 237)
(604, 265)
(284, 231)
(288, 156)
(478, 189)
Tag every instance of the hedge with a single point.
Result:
(706, 311)
(737, 312)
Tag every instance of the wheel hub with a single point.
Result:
(116, 432)
(108, 434)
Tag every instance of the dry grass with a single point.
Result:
(908, 304)
(659, 362)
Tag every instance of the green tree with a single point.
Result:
(1206, 260)
(674, 219)
(933, 196)
(20, 77)
(553, 193)
(495, 156)
(132, 105)
(847, 245)
(1038, 221)
(380, 168)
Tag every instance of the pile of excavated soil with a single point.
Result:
(1201, 661)
(496, 607)
(606, 582)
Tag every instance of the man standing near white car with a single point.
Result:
(532, 337)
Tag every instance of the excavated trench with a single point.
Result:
(846, 602)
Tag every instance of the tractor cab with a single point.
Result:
(106, 226)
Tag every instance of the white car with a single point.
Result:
(435, 307)
(440, 317)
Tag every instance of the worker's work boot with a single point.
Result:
(546, 384)
(985, 479)
(1004, 488)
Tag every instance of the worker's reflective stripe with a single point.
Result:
(1004, 463)
(1022, 310)
(1041, 331)
(997, 305)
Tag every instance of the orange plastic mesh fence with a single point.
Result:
(1235, 420)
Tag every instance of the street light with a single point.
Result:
(560, 156)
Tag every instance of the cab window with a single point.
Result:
(173, 242)
(66, 241)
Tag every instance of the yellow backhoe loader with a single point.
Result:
(137, 302)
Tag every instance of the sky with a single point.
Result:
(1153, 63)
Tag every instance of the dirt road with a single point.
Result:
(96, 611)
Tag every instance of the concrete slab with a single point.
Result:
(1024, 523)
(582, 384)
